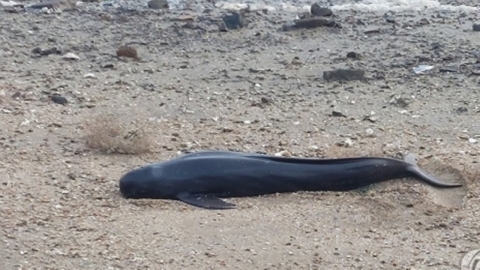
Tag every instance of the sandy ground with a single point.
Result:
(254, 89)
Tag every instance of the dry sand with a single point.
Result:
(253, 89)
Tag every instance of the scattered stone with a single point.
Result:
(266, 100)
(70, 56)
(16, 95)
(158, 4)
(106, 17)
(56, 5)
(400, 101)
(344, 75)
(89, 75)
(347, 143)
(317, 10)
(449, 69)
(422, 68)
(390, 19)
(222, 27)
(304, 15)
(461, 110)
(109, 65)
(313, 22)
(283, 153)
(46, 52)
(354, 55)
(476, 27)
(59, 99)
(127, 51)
(183, 18)
(338, 114)
(370, 118)
(234, 21)
(313, 147)
(10, 4)
(288, 26)
(369, 132)
(14, 9)
(372, 31)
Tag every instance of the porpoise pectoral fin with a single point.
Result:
(207, 201)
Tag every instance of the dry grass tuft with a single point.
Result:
(106, 133)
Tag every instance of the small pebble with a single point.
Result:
(70, 56)
(348, 142)
(283, 153)
(59, 99)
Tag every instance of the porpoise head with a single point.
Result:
(145, 182)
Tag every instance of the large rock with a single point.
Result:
(317, 10)
(476, 27)
(234, 21)
(158, 4)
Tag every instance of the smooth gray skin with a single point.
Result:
(202, 178)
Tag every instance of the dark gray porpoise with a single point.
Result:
(201, 178)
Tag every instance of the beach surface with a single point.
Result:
(266, 86)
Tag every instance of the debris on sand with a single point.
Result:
(127, 51)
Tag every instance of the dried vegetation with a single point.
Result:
(107, 133)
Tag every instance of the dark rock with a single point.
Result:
(423, 22)
(234, 21)
(435, 46)
(461, 110)
(390, 19)
(266, 100)
(14, 9)
(344, 75)
(59, 99)
(158, 4)
(353, 55)
(448, 69)
(317, 10)
(338, 114)
(109, 65)
(222, 27)
(16, 95)
(476, 27)
(46, 52)
(312, 22)
(372, 31)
